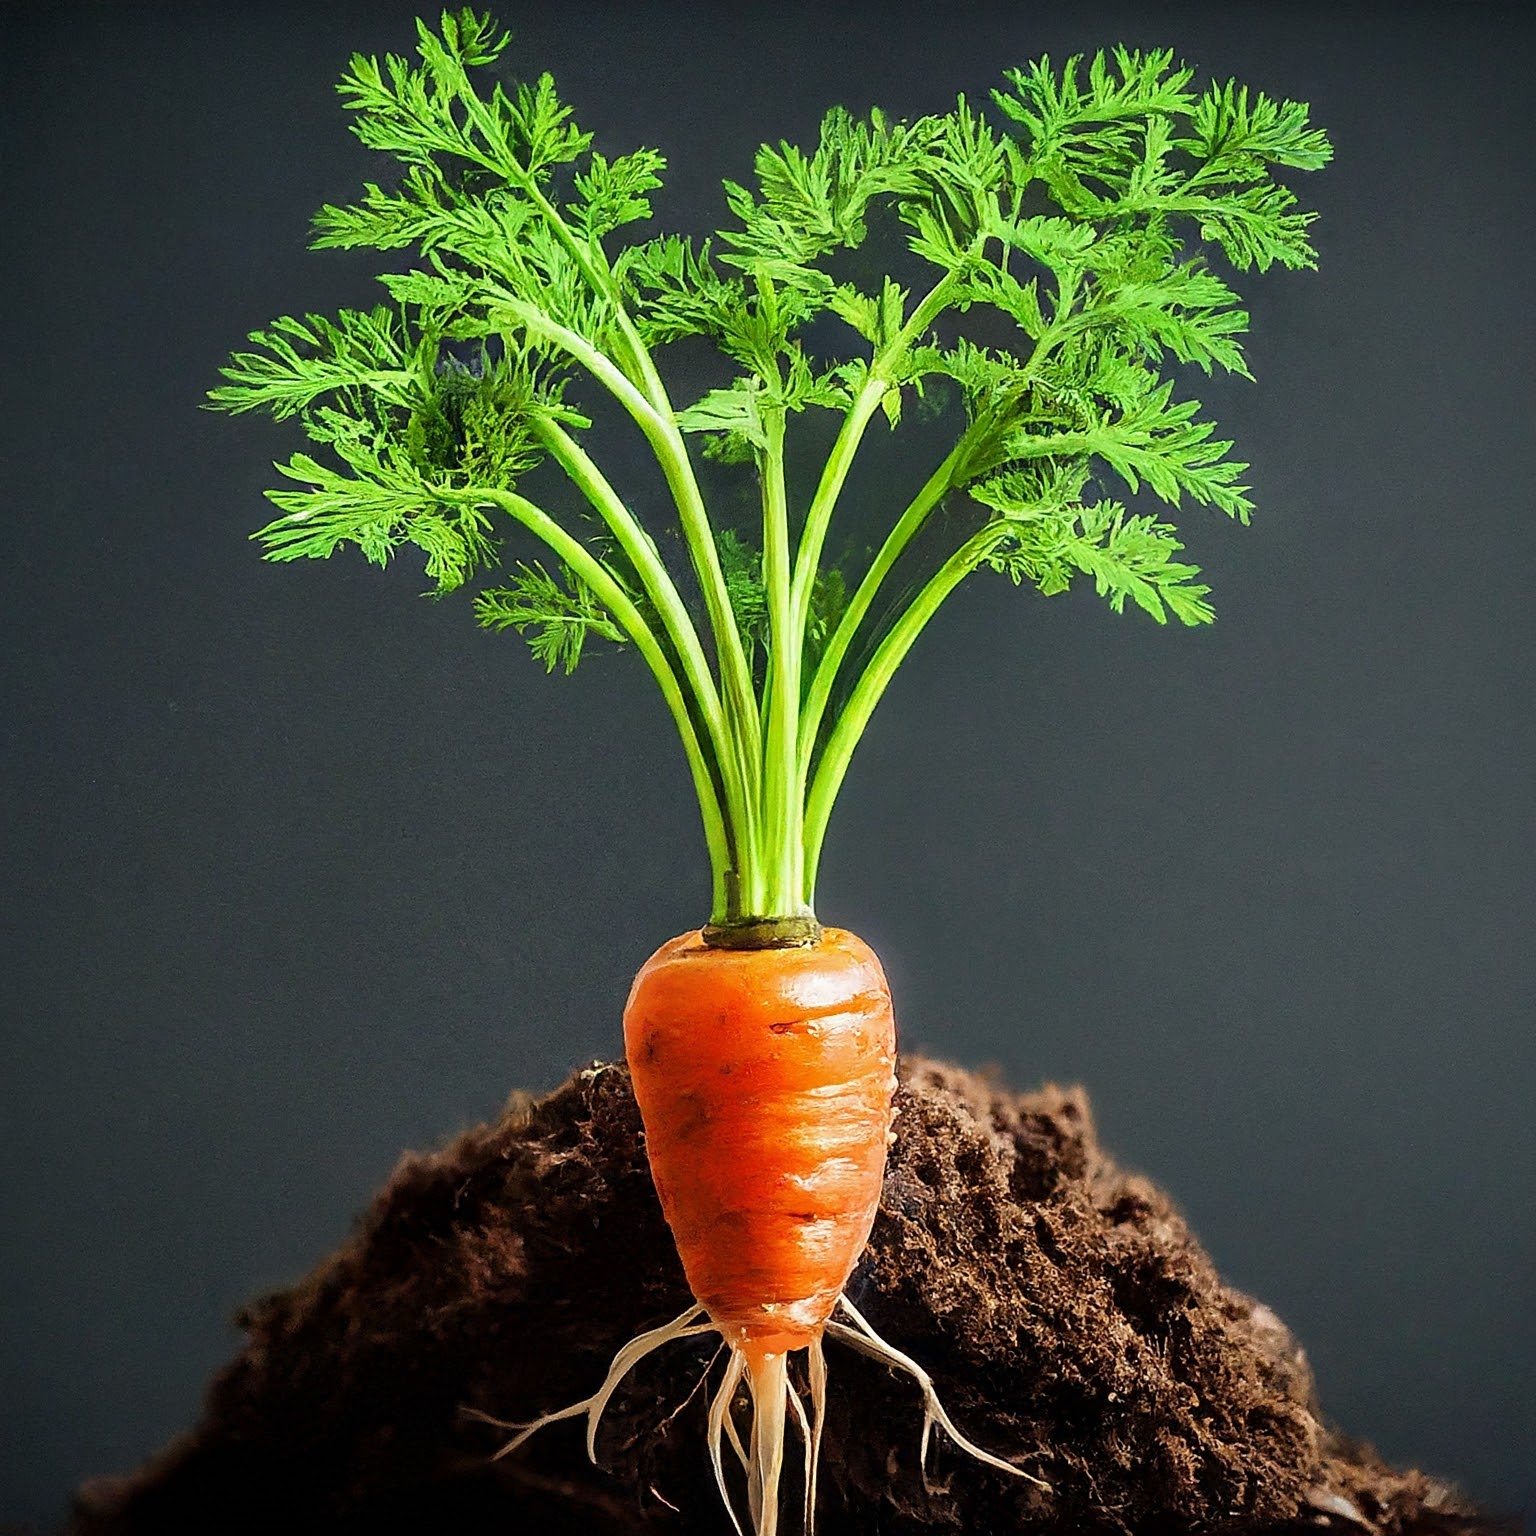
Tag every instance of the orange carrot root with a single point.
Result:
(765, 1080)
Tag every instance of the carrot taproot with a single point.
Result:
(765, 1079)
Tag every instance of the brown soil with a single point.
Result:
(1069, 1318)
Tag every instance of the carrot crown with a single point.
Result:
(1053, 266)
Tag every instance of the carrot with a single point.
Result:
(764, 1079)
(761, 1047)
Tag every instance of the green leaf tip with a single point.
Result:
(562, 613)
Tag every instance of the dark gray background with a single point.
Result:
(301, 870)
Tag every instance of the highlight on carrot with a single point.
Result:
(1051, 282)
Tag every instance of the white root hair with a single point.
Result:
(864, 1339)
(624, 1362)
(773, 1397)
(817, 1372)
(720, 1416)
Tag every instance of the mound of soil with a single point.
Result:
(1069, 1318)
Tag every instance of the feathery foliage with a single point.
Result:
(1073, 228)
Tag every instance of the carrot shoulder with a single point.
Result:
(765, 1080)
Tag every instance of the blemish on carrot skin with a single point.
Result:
(782, 1029)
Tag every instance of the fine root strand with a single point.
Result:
(720, 1419)
(805, 1437)
(864, 1339)
(817, 1372)
(624, 1362)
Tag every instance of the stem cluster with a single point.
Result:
(765, 791)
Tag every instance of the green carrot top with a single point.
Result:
(1064, 241)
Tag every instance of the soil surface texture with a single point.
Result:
(1070, 1320)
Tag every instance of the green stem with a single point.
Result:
(659, 587)
(658, 421)
(666, 440)
(782, 843)
(859, 604)
(819, 517)
(612, 595)
(592, 262)
(910, 524)
(580, 350)
(740, 698)
(866, 695)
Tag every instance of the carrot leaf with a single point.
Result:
(1074, 239)
(561, 611)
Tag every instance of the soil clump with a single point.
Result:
(1071, 1322)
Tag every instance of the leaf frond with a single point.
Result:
(556, 613)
